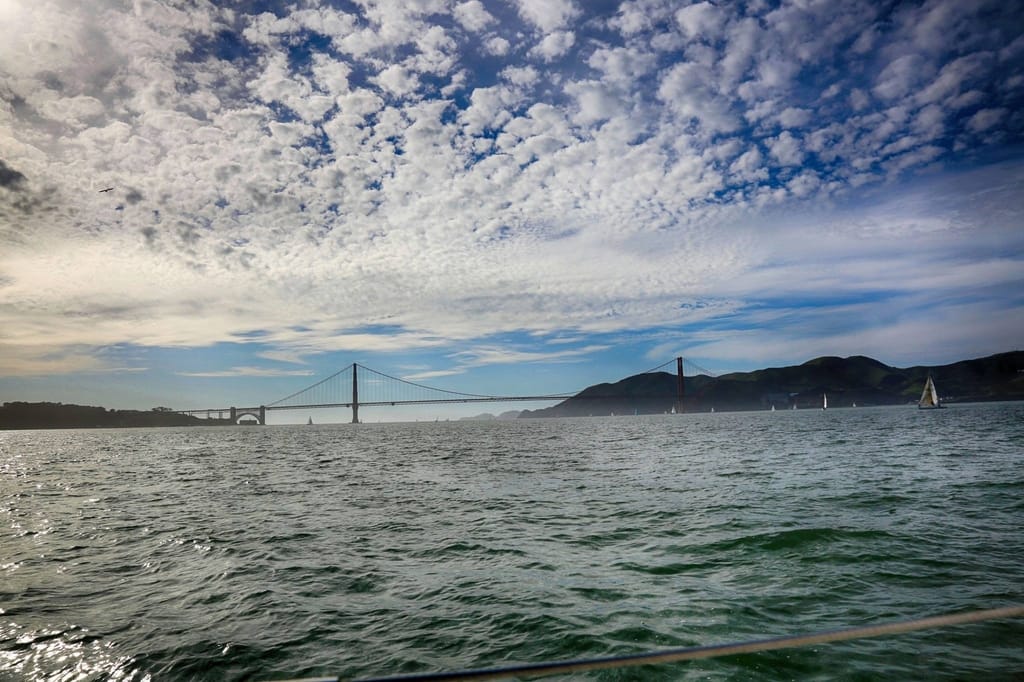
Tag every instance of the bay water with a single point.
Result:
(277, 552)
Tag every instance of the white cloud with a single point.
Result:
(701, 20)
(786, 149)
(685, 88)
(794, 117)
(397, 80)
(521, 75)
(595, 102)
(749, 165)
(496, 45)
(901, 77)
(622, 66)
(548, 15)
(954, 76)
(986, 119)
(554, 45)
(500, 355)
(251, 372)
(473, 16)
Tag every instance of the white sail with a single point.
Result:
(929, 396)
(824, 401)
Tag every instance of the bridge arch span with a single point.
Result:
(259, 413)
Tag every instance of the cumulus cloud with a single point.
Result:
(415, 175)
(554, 45)
(473, 15)
(548, 15)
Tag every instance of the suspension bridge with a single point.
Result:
(358, 386)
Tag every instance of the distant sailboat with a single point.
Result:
(310, 422)
(824, 401)
(773, 408)
(929, 396)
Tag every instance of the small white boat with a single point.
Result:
(929, 396)
(824, 401)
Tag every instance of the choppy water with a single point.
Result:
(263, 553)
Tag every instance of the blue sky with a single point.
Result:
(513, 197)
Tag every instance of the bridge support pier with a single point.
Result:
(355, 393)
(680, 387)
(263, 415)
(234, 415)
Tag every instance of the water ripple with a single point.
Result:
(282, 552)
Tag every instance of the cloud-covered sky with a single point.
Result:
(525, 194)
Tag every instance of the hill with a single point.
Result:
(847, 381)
(20, 415)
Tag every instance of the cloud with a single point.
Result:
(554, 45)
(9, 177)
(985, 119)
(473, 15)
(548, 15)
(250, 372)
(378, 179)
(786, 149)
(701, 20)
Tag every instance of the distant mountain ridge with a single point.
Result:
(856, 380)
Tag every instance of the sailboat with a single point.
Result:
(929, 396)
(824, 401)
(310, 422)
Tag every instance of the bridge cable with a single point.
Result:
(699, 652)
(312, 386)
(693, 365)
(655, 369)
(459, 393)
(553, 396)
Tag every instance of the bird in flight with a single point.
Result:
(106, 190)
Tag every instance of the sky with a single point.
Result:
(218, 203)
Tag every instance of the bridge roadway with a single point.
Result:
(431, 401)
(260, 411)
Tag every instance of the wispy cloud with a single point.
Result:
(251, 372)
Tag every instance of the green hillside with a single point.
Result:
(856, 380)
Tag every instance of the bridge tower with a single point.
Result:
(355, 393)
(680, 386)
